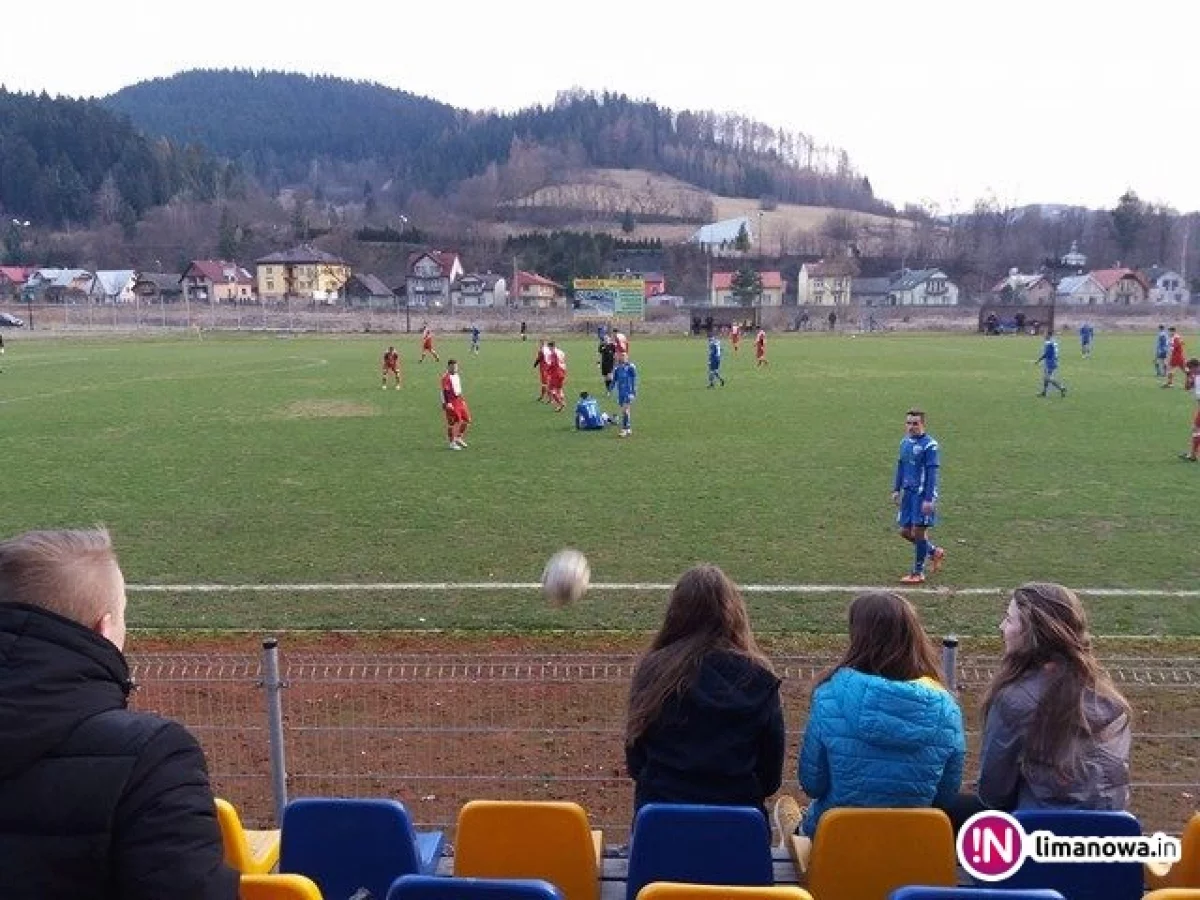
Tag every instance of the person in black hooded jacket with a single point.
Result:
(705, 722)
(96, 800)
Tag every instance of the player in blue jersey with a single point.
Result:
(625, 381)
(915, 491)
(588, 416)
(1049, 361)
(714, 361)
(1162, 344)
(1087, 334)
(475, 337)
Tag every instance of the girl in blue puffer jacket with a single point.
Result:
(883, 731)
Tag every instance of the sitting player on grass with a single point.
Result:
(588, 416)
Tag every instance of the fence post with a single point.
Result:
(950, 662)
(275, 724)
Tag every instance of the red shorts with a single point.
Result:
(1196, 421)
(543, 376)
(457, 411)
(556, 380)
(391, 369)
(1176, 362)
(760, 352)
(427, 344)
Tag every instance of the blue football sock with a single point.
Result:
(625, 421)
(922, 551)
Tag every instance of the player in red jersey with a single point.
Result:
(458, 415)
(621, 341)
(1176, 361)
(760, 349)
(1192, 383)
(427, 344)
(556, 376)
(541, 362)
(391, 366)
(735, 336)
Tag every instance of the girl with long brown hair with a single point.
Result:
(882, 730)
(705, 722)
(1056, 730)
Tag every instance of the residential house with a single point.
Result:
(1029, 290)
(721, 237)
(721, 290)
(480, 290)
(369, 291)
(304, 272)
(216, 281)
(113, 286)
(158, 287)
(531, 290)
(1166, 286)
(12, 280)
(826, 283)
(1122, 287)
(72, 286)
(1080, 290)
(870, 291)
(922, 287)
(430, 276)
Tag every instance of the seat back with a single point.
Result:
(238, 853)
(1186, 872)
(528, 839)
(907, 847)
(1173, 894)
(1080, 881)
(348, 844)
(431, 887)
(698, 844)
(970, 893)
(277, 887)
(670, 890)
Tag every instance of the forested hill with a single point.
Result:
(66, 161)
(277, 124)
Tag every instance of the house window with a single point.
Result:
(270, 285)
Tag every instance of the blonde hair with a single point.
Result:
(70, 573)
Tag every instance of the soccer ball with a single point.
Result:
(566, 577)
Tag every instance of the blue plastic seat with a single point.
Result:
(694, 844)
(345, 845)
(1080, 881)
(430, 887)
(970, 893)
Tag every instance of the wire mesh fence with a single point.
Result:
(436, 731)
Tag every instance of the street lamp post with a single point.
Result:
(18, 226)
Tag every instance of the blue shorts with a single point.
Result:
(910, 511)
(623, 399)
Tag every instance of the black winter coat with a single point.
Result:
(96, 800)
(721, 742)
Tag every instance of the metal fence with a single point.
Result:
(436, 731)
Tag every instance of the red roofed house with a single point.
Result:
(12, 279)
(722, 293)
(1122, 287)
(532, 290)
(430, 276)
(217, 281)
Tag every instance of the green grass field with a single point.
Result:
(265, 460)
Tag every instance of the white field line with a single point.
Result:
(635, 586)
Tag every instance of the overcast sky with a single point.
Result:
(937, 101)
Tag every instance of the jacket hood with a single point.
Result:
(54, 673)
(890, 714)
(728, 681)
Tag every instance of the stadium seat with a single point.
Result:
(695, 844)
(1173, 894)
(1080, 881)
(1186, 872)
(669, 890)
(277, 887)
(431, 887)
(250, 852)
(530, 839)
(346, 845)
(970, 893)
(907, 847)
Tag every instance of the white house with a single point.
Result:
(430, 276)
(114, 286)
(922, 287)
(1080, 290)
(479, 290)
(1166, 286)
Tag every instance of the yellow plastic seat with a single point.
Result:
(1186, 872)
(250, 852)
(672, 890)
(278, 887)
(906, 846)
(1173, 894)
(530, 839)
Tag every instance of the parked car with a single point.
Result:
(8, 320)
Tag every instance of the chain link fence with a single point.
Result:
(436, 731)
